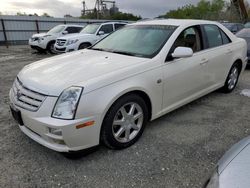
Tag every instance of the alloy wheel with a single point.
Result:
(127, 122)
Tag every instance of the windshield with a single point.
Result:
(56, 29)
(90, 29)
(244, 33)
(138, 40)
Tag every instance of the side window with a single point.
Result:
(71, 29)
(214, 37)
(78, 29)
(190, 37)
(107, 28)
(225, 38)
(117, 26)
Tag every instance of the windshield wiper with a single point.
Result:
(98, 49)
(125, 53)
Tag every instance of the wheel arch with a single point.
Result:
(239, 62)
(85, 42)
(140, 92)
(51, 41)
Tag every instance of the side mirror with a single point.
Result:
(181, 52)
(65, 32)
(101, 33)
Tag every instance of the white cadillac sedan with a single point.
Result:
(107, 93)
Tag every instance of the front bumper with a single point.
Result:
(37, 45)
(64, 49)
(38, 125)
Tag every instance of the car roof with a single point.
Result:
(232, 153)
(71, 25)
(173, 22)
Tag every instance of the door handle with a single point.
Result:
(229, 51)
(204, 61)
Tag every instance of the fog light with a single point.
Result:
(57, 132)
(61, 142)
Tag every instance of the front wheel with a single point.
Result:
(83, 46)
(50, 47)
(232, 78)
(124, 122)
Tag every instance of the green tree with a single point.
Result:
(21, 14)
(46, 15)
(112, 16)
(205, 9)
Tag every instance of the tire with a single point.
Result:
(84, 45)
(124, 123)
(50, 47)
(232, 78)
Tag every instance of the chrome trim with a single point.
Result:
(26, 98)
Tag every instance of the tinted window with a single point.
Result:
(188, 38)
(107, 28)
(117, 26)
(225, 38)
(213, 36)
(73, 29)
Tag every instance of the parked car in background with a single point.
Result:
(247, 25)
(245, 34)
(233, 168)
(233, 27)
(45, 41)
(87, 37)
(108, 92)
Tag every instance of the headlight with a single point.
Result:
(214, 181)
(40, 39)
(67, 102)
(72, 42)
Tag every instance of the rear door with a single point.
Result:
(218, 53)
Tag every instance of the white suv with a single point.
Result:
(45, 41)
(87, 37)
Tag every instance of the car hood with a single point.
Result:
(236, 172)
(39, 34)
(75, 36)
(51, 76)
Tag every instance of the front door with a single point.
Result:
(183, 77)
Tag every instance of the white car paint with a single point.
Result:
(41, 40)
(107, 76)
(62, 45)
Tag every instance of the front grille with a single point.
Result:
(26, 98)
(60, 42)
(61, 49)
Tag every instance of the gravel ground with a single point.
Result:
(178, 150)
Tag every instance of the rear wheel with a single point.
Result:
(84, 45)
(232, 78)
(124, 122)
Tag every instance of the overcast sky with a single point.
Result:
(58, 8)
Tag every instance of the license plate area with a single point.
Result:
(17, 116)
